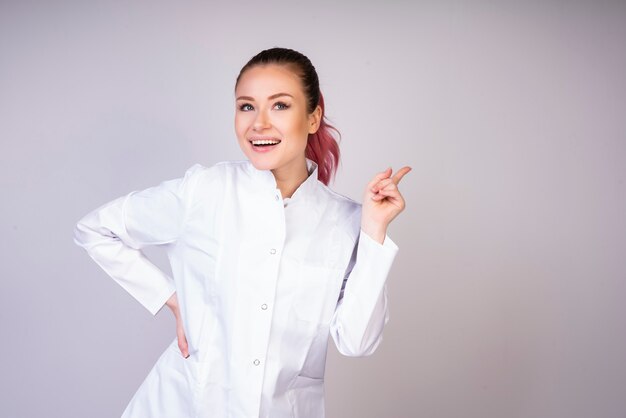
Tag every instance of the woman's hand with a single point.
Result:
(382, 203)
(172, 303)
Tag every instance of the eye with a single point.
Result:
(281, 106)
(246, 107)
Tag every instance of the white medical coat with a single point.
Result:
(261, 282)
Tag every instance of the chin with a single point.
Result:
(261, 163)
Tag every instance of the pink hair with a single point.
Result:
(323, 148)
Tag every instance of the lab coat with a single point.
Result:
(261, 282)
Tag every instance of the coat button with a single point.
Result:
(256, 362)
(273, 251)
(264, 306)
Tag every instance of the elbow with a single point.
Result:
(80, 233)
(98, 226)
(359, 350)
(356, 336)
(86, 233)
(359, 344)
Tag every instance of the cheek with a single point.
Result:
(297, 127)
(241, 125)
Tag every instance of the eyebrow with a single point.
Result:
(272, 97)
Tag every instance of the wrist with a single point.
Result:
(375, 232)
(172, 303)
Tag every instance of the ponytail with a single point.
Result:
(322, 147)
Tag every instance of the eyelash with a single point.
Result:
(242, 107)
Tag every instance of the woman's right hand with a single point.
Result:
(172, 303)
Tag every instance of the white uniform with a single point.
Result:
(261, 283)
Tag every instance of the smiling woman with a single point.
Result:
(258, 285)
(296, 70)
(273, 123)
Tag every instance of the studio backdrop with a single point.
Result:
(507, 294)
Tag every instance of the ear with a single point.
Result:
(315, 118)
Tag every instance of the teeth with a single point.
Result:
(265, 142)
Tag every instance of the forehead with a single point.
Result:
(265, 80)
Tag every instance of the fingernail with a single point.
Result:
(187, 356)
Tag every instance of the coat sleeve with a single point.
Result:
(361, 313)
(114, 234)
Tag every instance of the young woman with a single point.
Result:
(267, 261)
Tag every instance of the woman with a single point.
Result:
(267, 261)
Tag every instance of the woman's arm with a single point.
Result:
(114, 234)
(361, 312)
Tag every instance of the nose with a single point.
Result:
(261, 121)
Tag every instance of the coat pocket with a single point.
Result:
(316, 292)
(195, 374)
(168, 390)
(306, 396)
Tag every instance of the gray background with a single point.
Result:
(507, 297)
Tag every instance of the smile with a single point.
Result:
(264, 142)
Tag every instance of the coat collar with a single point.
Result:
(266, 178)
(308, 185)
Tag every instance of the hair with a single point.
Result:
(322, 146)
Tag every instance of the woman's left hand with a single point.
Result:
(382, 202)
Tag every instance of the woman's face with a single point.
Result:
(271, 119)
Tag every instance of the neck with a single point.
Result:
(288, 180)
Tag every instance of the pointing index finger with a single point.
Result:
(401, 173)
